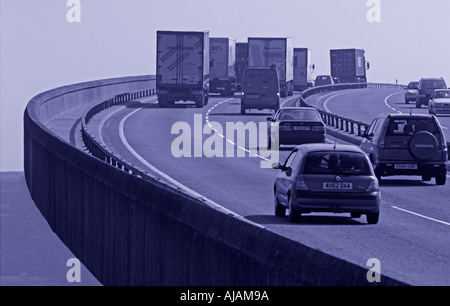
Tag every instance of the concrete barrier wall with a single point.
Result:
(130, 231)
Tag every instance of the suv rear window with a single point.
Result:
(411, 126)
(434, 84)
(336, 163)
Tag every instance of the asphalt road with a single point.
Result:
(412, 239)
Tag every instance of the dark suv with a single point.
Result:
(426, 88)
(400, 144)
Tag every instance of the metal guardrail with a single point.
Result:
(341, 123)
(100, 150)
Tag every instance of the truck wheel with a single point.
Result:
(162, 103)
(200, 102)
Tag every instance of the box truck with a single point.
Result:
(303, 69)
(278, 52)
(222, 74)
(349, 65)
(241, 63)
(182, 72)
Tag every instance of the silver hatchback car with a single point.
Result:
(327, 178)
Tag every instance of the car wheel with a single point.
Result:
(378, 172)
(242, 110)
(280, 210)
(294, 215)
(355, 215)
(372, 218)
(441, 179)
(418, 104)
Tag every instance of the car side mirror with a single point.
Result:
(367, 135)
(288, 171)
(269, 119)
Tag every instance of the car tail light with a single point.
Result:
(285, 128)
(374, 186)
(318, 128)
(300, 184)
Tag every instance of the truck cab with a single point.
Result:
(260, 89)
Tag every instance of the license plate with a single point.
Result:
(252, 96)
(301, 128)
(221, 88)
(337, 186)
(405, 166)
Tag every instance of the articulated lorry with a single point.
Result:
(278, 52)
(349, 65)
(182, 72)
(303, 69)
(222, 74)
(241, 63)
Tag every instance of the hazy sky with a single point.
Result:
(41, 50)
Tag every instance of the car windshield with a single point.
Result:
(300, 114)
(436, 84)
(442, 94)
(337, 163)
(413, 85)
(408, 127)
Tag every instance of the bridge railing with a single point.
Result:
(129, 228)
(342, 123)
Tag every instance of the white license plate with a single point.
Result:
(301, 128)
(337, 186)
(405, 166)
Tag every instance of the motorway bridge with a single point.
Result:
(135, 135)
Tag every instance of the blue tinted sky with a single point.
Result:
(40, 50)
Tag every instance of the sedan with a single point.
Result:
(327, 178)
(440, 102)
(295, 126)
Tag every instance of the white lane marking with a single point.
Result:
(325, 104)
(230, 141)
(220, 134)
(390, 96)
(168, 178)
(422, 216)
(388, 105)
(106, 118)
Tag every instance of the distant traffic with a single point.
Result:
(316, 176)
